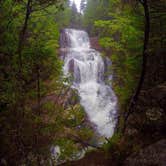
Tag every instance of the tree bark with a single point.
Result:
(144, 60)
(38, 88)
(23, 32)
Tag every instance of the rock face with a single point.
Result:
(149, 116)
(153, 155)
(147, 123)
(95, 43)
(64, 40)
(64, 44)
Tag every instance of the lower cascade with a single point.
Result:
(87, 67)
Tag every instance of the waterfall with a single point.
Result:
(87, 67)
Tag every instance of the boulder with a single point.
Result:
(153, 155)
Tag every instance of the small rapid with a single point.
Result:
(87, 68)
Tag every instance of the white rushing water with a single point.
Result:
(87, 67)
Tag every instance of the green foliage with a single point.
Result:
(95, 10)
(112, 142)
(122, 35)
(107, 42)
(63, 17)
(69, 17)
(31, 122)
(68, 148)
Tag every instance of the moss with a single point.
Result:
(112, 142)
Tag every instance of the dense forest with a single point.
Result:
(42, 117)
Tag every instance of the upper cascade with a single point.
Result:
(78, 38)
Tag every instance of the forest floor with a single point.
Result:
(95, 158)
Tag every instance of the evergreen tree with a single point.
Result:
(31, 122)
(82, 6)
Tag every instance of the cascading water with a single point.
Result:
(87, 67)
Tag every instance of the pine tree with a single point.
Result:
(82, 6)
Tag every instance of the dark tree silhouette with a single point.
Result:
(144, 60)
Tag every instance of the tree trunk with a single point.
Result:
(38, 88)
(144, 61)
(23, 32)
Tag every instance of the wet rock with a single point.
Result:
(71, 65)
(95, 43)
(153, 155)
(64, 40)
(154, 113)
(107, 69)
(131, 132)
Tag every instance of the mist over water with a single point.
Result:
(87, 67)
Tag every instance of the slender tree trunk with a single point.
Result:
(144, 60)
(37, 135)
(19, 51)
(38, 88)
(23, 32)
